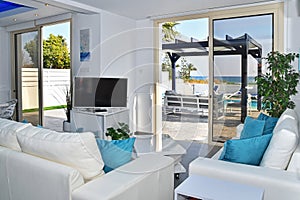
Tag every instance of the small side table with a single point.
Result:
(144, 144)
(206, 188)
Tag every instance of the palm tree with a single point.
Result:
(169, 32)
(186, 68)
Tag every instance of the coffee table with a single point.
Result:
(206, 188)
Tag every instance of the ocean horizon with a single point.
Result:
(231, 79)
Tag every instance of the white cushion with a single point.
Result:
(283, 143)
(77, 150)
(8, 131)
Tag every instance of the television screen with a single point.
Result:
(100, 92)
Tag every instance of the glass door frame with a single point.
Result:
(278, 36)
(277, 9)
(17, 73)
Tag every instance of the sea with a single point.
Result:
(229, 79)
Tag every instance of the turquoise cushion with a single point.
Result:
(270, 123)
(115, 153)
(252, 128)
(246, 151)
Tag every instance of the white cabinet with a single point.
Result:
(97, 122)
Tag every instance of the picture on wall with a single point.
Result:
(85, 53)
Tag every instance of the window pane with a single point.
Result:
(239, 45)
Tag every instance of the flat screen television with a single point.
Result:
(92, 92)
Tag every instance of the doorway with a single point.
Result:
(239, 45)
(185, 79)
(232, 66)
(42, 74)
(28, 76)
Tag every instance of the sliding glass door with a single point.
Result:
(239, 45)
(28, 76)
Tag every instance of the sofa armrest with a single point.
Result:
(278, 184)
(147, 177)
(23, 176)
(294, 164)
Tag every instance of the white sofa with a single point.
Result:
(37, 163)
(278, 181)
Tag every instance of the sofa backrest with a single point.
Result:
(77, 150)
(8, 133)
(284, 141)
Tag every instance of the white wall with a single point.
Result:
(113, 40)
(118, 53)
(292, 32)
(145, 72)
(5, 76)
(91, 67)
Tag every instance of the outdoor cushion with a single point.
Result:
(77, 150)
(115, 153)
(252, 128)
(246, 151)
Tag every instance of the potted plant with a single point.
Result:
(120, 133)
(278, 84)
(69, 106)
(66, 123)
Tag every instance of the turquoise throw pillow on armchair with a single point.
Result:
(246, 151)
(270, 123)
(115, 153)
(252, 128)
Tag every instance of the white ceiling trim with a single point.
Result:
(219, 8)
(72, 6)
(53, 19)
(21, 26)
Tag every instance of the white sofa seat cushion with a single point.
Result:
(8, 131)
(77, 150)
(283, 143)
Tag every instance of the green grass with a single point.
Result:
(45, 108)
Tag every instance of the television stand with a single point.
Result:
(93, 120)
(100, 110)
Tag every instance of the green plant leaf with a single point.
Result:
(278, 84)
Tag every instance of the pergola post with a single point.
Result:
(244, 75)
(259, 72)
(173, 57)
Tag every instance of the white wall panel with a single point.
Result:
(91, 67)
(5, 75)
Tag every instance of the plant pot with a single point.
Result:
(66, 126)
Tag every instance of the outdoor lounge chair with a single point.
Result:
(7, 109)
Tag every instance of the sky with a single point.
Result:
(62, 29)
(197, 28)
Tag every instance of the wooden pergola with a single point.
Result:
(243, 46)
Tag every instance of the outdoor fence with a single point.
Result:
(56, 83)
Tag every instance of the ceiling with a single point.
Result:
(135, 9)
(141, 9)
